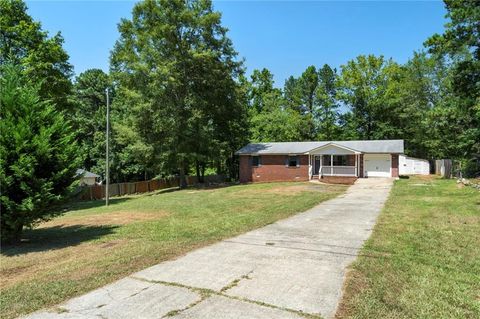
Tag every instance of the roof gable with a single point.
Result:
(333, 148)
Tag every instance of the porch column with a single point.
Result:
(331, 164)
(356, 165)
(321, 165)
(310, 169)
(360, 166)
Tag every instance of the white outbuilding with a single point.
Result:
(86, 177)
(413, 166)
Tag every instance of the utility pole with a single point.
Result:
(107, 164)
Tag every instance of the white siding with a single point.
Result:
(413, 166)
(377, 165)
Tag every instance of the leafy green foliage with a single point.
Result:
(327, 111)
(175, 62)
(461, 44)
(90, 116)
(38, 155)
(366, 84)
(42, 58)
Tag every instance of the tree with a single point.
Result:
(460, 42)
(260, 85)
(420, 89)
(368, 85)
(38, 155)
(276, 123)
(90, 116)
(175, 59)
(292, 94)
(308, 83)
(326, 98)
(42, 58)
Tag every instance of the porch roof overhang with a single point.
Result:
(333, 148)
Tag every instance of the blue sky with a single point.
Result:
(284, 37)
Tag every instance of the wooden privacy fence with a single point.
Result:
(93, 192)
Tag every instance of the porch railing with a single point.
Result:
(338, 170)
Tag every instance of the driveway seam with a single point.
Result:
(208, 292)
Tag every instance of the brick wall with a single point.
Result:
(350, 160)
(346, 180)
(395, 165)
(361, 166)
(272, 169)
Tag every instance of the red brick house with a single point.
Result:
(330, 161)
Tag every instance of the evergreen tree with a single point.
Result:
(38, 155)
(326, 98)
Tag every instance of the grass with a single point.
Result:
(92, 245)
(428, 240)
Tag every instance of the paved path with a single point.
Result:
(292, 267)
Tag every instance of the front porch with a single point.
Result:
(333, 163)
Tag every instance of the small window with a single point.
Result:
(292, 161)
(256, 161)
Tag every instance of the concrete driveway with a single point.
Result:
(285, 270)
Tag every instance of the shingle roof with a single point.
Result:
(372, 146)
(84, 173)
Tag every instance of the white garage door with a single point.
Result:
(377, 165)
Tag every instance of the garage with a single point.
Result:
(377, 165)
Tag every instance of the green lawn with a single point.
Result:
(423, 258)
(92, 245)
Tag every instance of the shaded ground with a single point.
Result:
(92, 245)
(429, 234)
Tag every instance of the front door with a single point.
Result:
(316, 166)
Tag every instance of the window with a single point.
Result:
(292, 161)
(327, 160)
(339, 160)
(256, 161)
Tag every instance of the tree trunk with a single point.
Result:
(202, 172)
(12, 235)
(232, 171)
(183, 179)
(199, 174)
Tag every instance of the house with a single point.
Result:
(330, 161)
(86, 177)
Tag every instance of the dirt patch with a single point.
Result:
(113, 218)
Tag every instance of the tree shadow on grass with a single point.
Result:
(196, 187)
(56, 237)
(79, 205)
